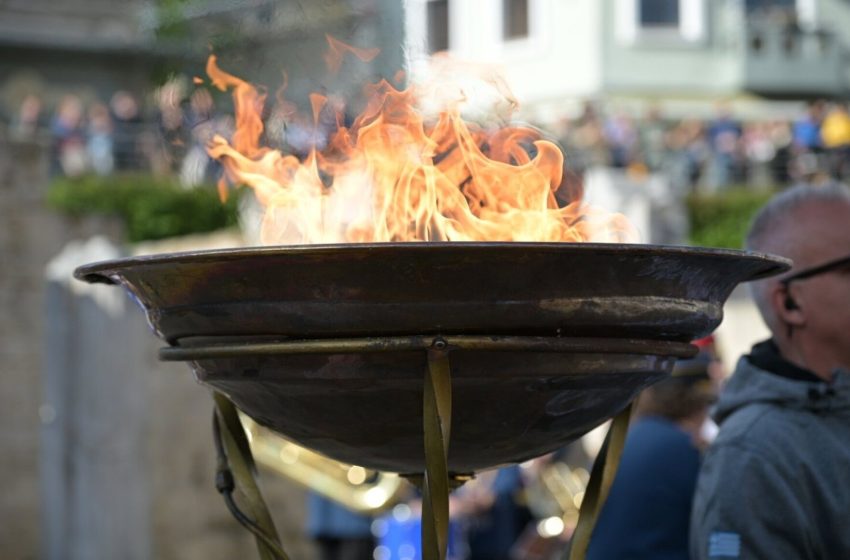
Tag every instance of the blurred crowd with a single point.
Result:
(717, 152)
(168, 132)
(163, 135)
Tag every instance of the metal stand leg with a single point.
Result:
(437, 419)
(601, 478)
(236, 467)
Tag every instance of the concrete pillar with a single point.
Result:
(94, 456)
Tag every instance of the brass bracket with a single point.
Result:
(601, 478)
(437, 421)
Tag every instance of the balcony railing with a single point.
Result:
(788, 60)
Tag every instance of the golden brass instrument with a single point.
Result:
(554, 492)
(358, 489)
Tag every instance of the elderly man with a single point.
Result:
(776, 482)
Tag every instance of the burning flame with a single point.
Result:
(392, 175)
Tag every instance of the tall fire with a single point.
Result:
(395, 175)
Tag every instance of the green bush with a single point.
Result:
(721, 219)
(151, 208)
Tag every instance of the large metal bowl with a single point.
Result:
(673, 293)
(546, 341)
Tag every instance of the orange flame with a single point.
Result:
(392, 176)
(336, 52)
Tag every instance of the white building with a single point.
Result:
(685, 52)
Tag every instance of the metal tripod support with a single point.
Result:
(437, 412)
(437, 422)
(601, 478)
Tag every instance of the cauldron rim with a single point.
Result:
(94, 272)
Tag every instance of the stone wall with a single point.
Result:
(30, 235)
(126, 460)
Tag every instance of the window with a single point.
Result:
(438, 25)
(514, 19)
(766, 6)
(661, 21)
(659, 13)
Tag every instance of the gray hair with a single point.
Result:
(773, 218)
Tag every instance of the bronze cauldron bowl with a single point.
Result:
(327, 344)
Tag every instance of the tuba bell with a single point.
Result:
(356, 488)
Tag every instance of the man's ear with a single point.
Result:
(787, 305)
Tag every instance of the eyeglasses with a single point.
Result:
(816, 270)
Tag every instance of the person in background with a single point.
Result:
(399, 531)
(774, 484)
(783, 144)
(197, 164)
(99, 141)
(647, 510)
(127, 124)
(835, 135)
(724, 134)
(621, 136)
(25, 123)
(807, 128)
(588, 140)
(687, 153)
(759, 150)
(494, 517)
(652, 136)
(339, 533)
(172, 125)
(68, 148)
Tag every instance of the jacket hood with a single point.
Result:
(750, 385)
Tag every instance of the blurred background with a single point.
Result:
(686, 115)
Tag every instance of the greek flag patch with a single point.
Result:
(724, 545)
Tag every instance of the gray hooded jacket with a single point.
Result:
(776, 482)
